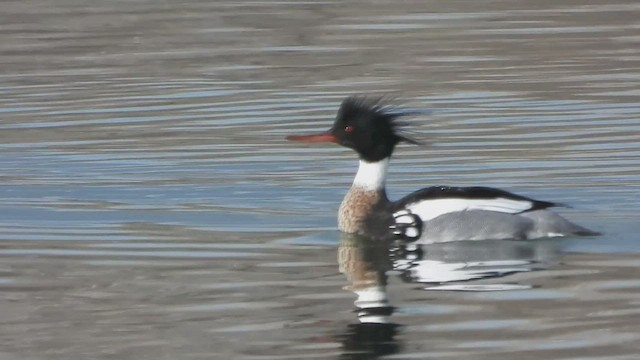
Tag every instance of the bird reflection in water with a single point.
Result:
(368, 265)
(365, 264)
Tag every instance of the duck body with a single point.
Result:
(442, 213)
(433, 214)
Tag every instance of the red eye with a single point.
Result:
(348, 129)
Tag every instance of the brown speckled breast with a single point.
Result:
(356, 207)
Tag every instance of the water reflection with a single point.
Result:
(368, 266)
(369, 341)
(365, 263)
(461, 261)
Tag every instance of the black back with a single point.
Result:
(474, 192)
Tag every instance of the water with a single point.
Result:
(150, 207)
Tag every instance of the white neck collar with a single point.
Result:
(372, 175)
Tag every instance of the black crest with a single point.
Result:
(369, 126)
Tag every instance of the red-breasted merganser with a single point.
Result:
(433, 214)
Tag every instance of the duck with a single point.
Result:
(371, 127)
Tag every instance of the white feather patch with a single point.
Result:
(431, 209)
(411, 233)
(403, 217)
(372, 175)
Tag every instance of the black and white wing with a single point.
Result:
(429, 203)
(432, 202)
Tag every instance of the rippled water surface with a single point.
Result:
(150, 207)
